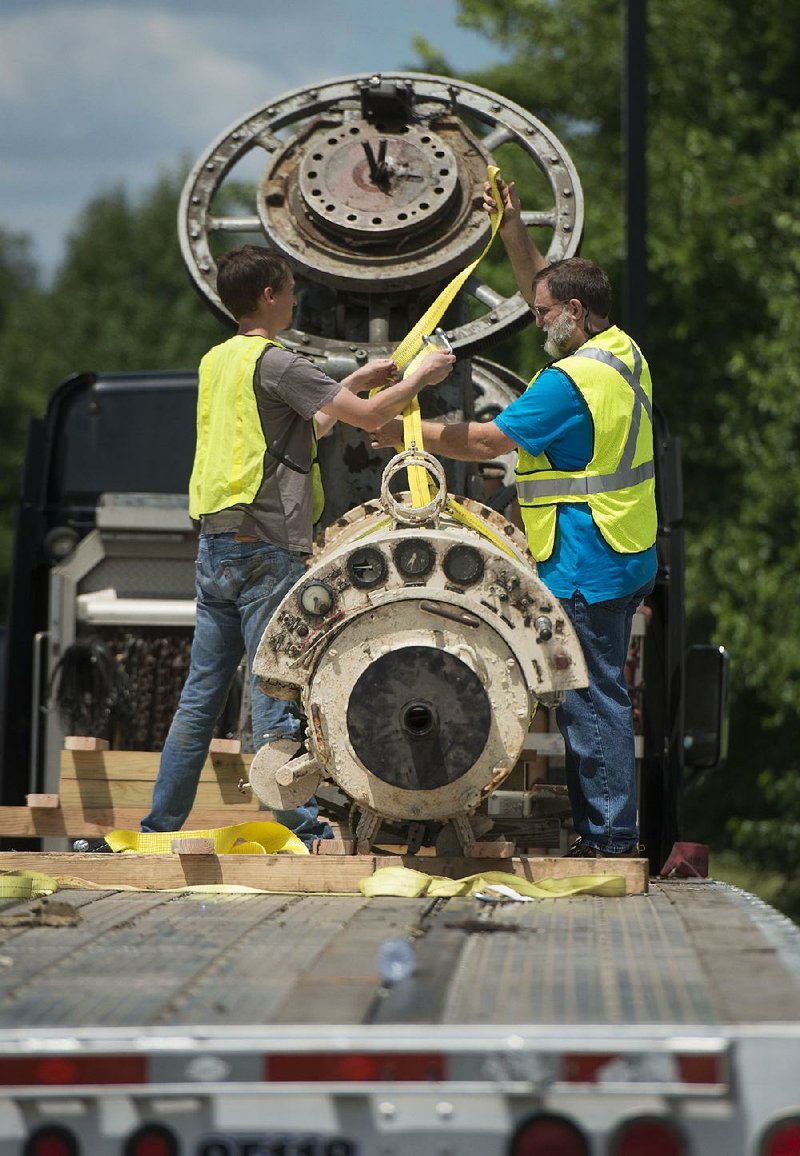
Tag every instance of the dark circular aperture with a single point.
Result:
(463, 565)
(366, 567)
(418, 718)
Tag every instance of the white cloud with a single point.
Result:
(95, 93)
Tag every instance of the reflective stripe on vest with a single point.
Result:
(620, 495)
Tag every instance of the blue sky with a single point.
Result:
(98, 93)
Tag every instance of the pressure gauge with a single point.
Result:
(316, 598)
(463, 565)
(366, 567)
(414, 558)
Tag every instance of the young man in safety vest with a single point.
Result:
(585, 484)
(256, 491)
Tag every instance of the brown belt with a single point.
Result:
(246, 538)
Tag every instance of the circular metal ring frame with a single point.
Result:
(400, 511)
(265, 129)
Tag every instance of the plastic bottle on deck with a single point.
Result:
(396, 960)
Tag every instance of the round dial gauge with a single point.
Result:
(366, 567)
(463, 565)
(316, 598)
(414, 557)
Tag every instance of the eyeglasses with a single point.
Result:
(541, 311)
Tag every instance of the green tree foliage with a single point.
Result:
(724, 326)
(121, 300)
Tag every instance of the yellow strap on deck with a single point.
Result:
(409, 884)
(26, 885)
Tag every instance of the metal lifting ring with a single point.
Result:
(373, 188)
(400, 511)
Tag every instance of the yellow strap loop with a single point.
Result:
(261, 838)
(411, 352)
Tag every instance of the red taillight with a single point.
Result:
(783, 1139)
(648, 1138)
(360, 1067)
(152, 1140)
(63, 1070)
(549, 1136)
(51, 1141)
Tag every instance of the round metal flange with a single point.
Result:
(366, 187)
(336, 208)
(417, 721)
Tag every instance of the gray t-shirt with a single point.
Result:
(290, 391)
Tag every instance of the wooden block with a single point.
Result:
(499, 849)
(85, 743)
(224, 747)
(333, 847)
(43, 800)
(193, 846)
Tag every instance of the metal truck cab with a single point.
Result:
(104, 544)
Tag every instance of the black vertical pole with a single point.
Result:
(634, 127)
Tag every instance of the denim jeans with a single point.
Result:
(239, 586)
(597, 725)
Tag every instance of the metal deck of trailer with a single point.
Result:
(685, 953)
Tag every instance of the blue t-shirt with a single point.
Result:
(552, 417)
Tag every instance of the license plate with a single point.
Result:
(279, 1144)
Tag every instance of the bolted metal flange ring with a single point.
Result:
(325, 223)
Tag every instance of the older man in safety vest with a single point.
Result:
(583, 433)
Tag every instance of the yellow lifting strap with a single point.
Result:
(407, 883)
(26, 885)
(408, 355)
(256, 838)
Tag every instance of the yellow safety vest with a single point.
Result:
(229, 455)
(618, 484)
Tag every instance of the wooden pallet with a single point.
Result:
(101, 790)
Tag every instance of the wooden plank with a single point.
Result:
(73, 822)
(85, 743)
(94, 793)
(143, 766)
(303, 873)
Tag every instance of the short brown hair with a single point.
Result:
(243, 274)
(576, 277)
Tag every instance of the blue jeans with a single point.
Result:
(597, 725)
(239, 586)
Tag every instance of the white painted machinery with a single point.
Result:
(419, 641)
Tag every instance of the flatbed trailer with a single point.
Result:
(162, 1023)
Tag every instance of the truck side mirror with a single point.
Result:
(705, 733)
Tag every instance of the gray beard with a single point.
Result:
(559, 335)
